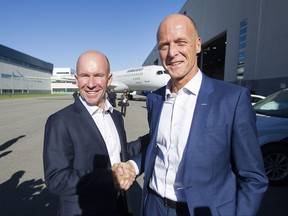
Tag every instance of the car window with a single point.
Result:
(255, 99)
(274, 105)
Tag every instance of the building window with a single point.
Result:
(242, 48)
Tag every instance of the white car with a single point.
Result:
(255, 98)
(272, 127)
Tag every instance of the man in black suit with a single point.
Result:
(83, 141)
(112, 96)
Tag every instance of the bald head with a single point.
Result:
(175, 19)
(92, 59)
(178, 45)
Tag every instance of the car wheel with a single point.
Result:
(275, 157)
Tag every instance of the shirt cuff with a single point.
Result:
(135, 166)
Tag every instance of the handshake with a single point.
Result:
(123, 175)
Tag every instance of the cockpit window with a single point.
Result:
(161, 72)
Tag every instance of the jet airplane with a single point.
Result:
(143, 79)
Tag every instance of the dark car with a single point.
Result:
(272, 127)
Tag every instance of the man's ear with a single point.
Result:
(76, 78)
(110, 77)
(198, 45)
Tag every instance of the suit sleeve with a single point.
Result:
(247, 158)
(137, 146)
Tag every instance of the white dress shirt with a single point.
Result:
(107, 128)
(174, 127)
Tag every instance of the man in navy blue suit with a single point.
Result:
(83, 141)
(203, 157)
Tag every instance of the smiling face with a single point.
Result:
(93, 76)
(178, 45)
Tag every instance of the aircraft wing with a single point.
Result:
(64, 78)
(118, 86)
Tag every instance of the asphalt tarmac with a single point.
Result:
(22, 188)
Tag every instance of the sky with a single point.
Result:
(58, 31)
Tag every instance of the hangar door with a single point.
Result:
(212, 58)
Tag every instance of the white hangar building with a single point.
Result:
(63, 81)
(243, 42)
(23, 74)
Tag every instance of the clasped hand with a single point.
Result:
(123, 175)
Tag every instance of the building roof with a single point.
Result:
(17, 57)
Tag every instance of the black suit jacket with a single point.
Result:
(76, 161)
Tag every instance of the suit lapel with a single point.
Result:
(202, 109)
(88, 123)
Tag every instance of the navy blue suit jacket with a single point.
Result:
(224, 170)
(76, 161)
